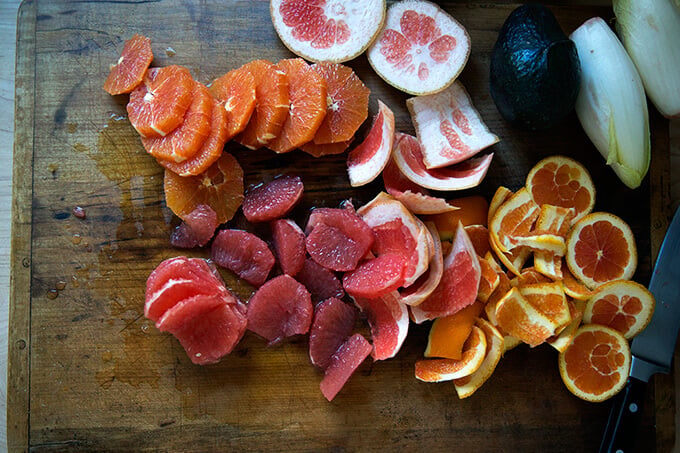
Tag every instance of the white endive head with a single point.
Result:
(611, 104)
(650, 32)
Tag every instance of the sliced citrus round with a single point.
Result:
(271, 104)
(187, 138)
(572, 287)
(236, 90)
(210, 151)
(421, 49)
(369, 158)
(220, 187)
(307, 98)
(562, 181)
(157, 106)
(128, 72)
(334, 31)
(467, 385)
(601, 248)
(623, 305)
(595, 365)
(439, 370)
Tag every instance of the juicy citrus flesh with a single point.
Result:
(468, 385)
(128, 72)
(472, 356)
(236, 90)
(449, 333)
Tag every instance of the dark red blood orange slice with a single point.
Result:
(210, 151)
(389, 322)
(289, 245)
(322, 283)
(157, 106)
(307, 97)
(243, 253)
(236, 90)
(272, 200)
(337, 238)
(344, 362)
(332, 326)
(376, 277)
(280, 308)
(197, 228)
(128, 72)
(419, 290)
(187, 138)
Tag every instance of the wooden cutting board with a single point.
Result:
(88, 372)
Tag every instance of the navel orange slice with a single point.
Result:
(516, 316)
(236, 90)
(468, 385)
(367, 160)
(128, 72)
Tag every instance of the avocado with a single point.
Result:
(535, 70)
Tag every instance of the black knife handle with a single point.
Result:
(624, 418)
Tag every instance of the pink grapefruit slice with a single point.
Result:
(332, 325)
(389, 321)
(417, 199)
(344, 363)
(418, 291)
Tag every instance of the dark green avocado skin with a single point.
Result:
(535, 71)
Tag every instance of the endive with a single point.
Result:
(611, 104)
(650, 33)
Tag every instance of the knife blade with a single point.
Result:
(652, 349)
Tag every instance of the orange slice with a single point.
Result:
(595, 365)
(307, 98)
(208, 153)
(328, 149)
(271, 104)
(514, 218)
(128, 72)
(516, 316)
(549, 299)
(468, 385)
(185, 141)
(488, 282)
(562, 181)
(562, 340)
(346, 103)
(448, 334)
(529, 276)
(157, 106)
(220, 187)
(623, 305)
(440, 370)
(601, 248)
(236, 90)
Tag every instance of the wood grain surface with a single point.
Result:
(88, 372)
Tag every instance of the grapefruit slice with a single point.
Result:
(448, 126)
(388, 319)
(346, 104)
(376, 277)
(280, 308)
(601, 248)
(273, 200)
(307, 108)
(327, 31)
(421, 49)
(595, 365)
(440, 370)
(220, 187)
(366, 161)
(468, 385)
(288, 240)
(562, 181)
(459, 283)
(408, 155)
(321, 282)
(181, 267)
(236, 91)
(271, 104)
(550, 300)
(332, 325)
(418, 291)
(417, 199)
(197, 228)
(157, 106)
(623, 305)
(244, 254)
(344, 363)
(513, 219)
(128, 72)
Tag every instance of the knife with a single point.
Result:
(652, 349)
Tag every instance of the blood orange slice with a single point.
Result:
(343, 364)
(389, 323)
(467, 385)
(157, 106)
(236, 90)
(333, 31)
(244, 254)
(220, 187)
(421, 49)
(440, 370)
(366, 161)
(289, 245)
(307, 96)
(272, 200)
(408, 155)
(417, 199)
(271, 104)
(448, 126)
(280, 308)
(332, 325)
(601, 248)
(595, 365)
(562, 181)
(187, 138)
(623, 305)
(128, 72)
(346, 104)
(448, 333)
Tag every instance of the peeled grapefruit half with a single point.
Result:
(421, 49)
